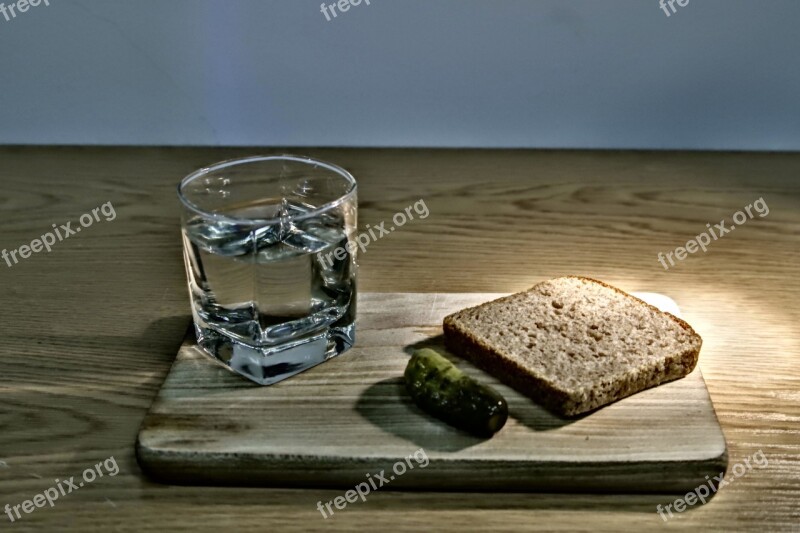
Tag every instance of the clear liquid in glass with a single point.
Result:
(272, 299)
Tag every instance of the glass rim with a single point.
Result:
(351, 191)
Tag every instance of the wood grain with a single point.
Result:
(334, 424)
(91, 328)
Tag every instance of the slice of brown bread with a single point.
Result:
(574, 344)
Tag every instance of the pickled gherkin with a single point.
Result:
(444, 391)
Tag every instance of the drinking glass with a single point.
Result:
(271, 262)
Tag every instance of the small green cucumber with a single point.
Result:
(444, 391)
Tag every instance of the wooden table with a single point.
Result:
(90, 328)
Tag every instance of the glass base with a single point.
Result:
(267, 365)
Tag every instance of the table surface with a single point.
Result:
(91, 327)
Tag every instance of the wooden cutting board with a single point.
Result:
(348, 419)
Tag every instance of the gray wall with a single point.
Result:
(718, 74)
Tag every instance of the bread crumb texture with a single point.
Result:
(576, 342)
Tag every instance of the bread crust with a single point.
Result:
(463, 342)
